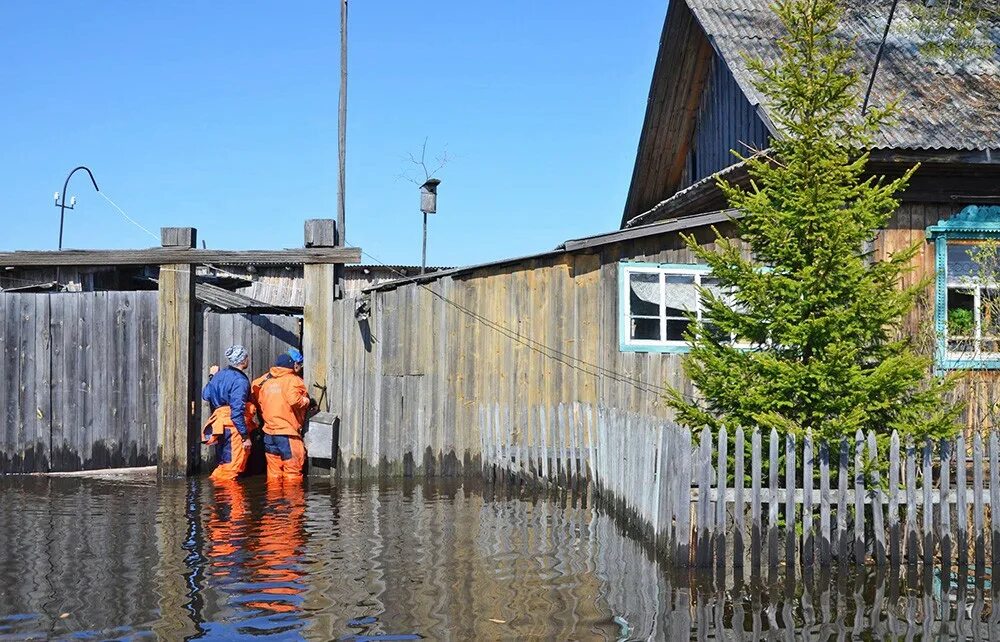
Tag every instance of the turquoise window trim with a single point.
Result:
(623, 343)
(975, 222)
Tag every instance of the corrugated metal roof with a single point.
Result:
(943, 103)
(228, 301)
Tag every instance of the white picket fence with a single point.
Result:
(681, 496)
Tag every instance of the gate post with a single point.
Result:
(320, 281)
(177, 431)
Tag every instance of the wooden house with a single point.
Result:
(600, 320)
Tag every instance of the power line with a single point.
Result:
(127, 217)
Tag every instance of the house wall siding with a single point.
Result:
(408, 382)
(726, 122)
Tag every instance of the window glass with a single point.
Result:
(962, 268)
(972, 315)
(961, 320)
(645, 301)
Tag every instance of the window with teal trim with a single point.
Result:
(657, 302)
(967, 288)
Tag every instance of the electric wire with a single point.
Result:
(539, 347)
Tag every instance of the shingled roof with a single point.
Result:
(949, 109)
(944, 104)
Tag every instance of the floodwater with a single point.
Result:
(132, 559)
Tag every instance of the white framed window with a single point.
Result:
(972, 328)
(656, 303)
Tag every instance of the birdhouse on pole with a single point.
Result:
(428, 196)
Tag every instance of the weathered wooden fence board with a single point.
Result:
(78, 389)
(663, 480)
(79, 375)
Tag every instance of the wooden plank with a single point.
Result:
(704, 503)
(44, 346)
(8, 379)
(859, 499)
(178, 255)
(560, 445)
(977, 510)
(543, 424)
(808, 521)
(994, 498)
(790, 500)
(739, 506)
(133, 434)
(927, 484)
(877, 502)
(756, 531)
(944, 489)
(60, 357)
(24, 442)
(893, 486)
(772, 500)
(840, 536)
(592, 444)
(962, 507)
(912, 541)
(825, 542)
(721, 466)
(684, 500)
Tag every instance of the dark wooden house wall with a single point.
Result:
(726, 122)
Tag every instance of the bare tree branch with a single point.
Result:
(420, 168)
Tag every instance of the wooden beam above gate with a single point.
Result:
(174, 255)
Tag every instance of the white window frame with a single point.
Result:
(625, 270)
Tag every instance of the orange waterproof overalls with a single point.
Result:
(283, 401)
(214, 432)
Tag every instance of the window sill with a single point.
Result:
(660, 348)
(970, 364)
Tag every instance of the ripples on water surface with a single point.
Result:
(91, 559)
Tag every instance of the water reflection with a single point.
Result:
(89, 559)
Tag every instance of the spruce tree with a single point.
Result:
(822, 321)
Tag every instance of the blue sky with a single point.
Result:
(222, 115)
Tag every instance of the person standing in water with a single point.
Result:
(233, 417)
(283, 401)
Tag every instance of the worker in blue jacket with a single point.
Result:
(233, 414)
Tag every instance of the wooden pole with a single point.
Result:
(177, 431)
(342, 124)
(317, 322)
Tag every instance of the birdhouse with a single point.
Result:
(428, 196)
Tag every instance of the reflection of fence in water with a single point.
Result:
(709, 501)
(838, 602)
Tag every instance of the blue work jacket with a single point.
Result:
(231, 387)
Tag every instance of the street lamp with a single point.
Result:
(72, 201)
(428, 205)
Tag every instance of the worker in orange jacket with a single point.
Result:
(283, 401)
(233, 415)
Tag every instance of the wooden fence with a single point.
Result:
(78, 375)
(715, 500)
(77, 380)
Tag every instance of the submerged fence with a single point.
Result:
(717, 500)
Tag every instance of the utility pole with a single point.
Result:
(342, 126)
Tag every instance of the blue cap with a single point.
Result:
(295, 355)
(284, 361)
